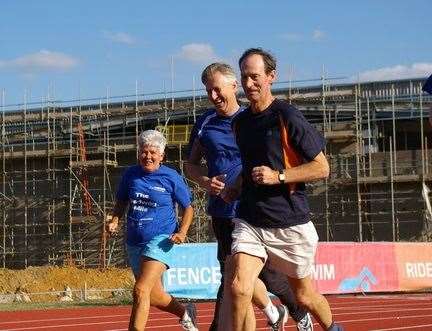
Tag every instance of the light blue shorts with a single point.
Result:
(158, 248)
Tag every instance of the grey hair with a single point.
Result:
(225, 69)
(152, 138)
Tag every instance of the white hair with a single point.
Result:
(152, 138)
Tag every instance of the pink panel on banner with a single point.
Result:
(355, 267)
(414, 261)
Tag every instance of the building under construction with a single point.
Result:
(60, 165)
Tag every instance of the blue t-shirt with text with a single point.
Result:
(152, 197)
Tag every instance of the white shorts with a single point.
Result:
(288, 250)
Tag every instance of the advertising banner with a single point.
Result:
(340, 267)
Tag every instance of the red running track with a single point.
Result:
(355, 313)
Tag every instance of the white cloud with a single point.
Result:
(200, 53)
(318, 34)
(291, 36)
(43, 60)
(396, 72)
(120, 37)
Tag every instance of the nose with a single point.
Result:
(247, 82)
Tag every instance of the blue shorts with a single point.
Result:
(158, 248)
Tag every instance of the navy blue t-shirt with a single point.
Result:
(152, 197)
(215, 136)
(258, 137)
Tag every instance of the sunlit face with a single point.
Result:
(150, 158)
(221, 92)
(255, 81)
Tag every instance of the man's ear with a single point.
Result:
(272, 76)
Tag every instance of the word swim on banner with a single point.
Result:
(340, 267)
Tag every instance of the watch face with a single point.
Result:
(281, 177)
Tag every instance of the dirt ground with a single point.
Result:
(46, 279)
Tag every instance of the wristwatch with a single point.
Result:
(281, 176)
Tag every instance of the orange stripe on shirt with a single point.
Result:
(290, 156)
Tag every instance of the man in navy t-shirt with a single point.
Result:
(212, 139)
(280, 151)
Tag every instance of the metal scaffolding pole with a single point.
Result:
(394, 127)
(369, 136)
(359, 206)
(25, 183)
(3, 179)
(392, 191)
(136, 117)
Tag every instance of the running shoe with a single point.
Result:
(305, 324)
(189, 323)
(279, 325)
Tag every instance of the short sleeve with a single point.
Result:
(304, 137)
(181, 191)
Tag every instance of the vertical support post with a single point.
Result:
(369, 136)
(392, 191)
(3, 133)
(136, 117)
(394, 127)
(193, 99)
(25, 182)
(422, 135)
(359, 206)
(172, 82)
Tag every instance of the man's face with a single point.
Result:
(222, 93)
(150, 158)
(255, 81)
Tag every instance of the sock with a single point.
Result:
(335, 327)
(186, 316)
(271, 312)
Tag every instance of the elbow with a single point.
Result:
(325, 171)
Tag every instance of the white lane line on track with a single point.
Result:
(382, 318)
(88, 317)
(65, 319)
(371, 312)
(384, 306)
(404, 327)
(99, 323)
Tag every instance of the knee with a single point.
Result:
(241, 289)
(141, 292)
(305, 299)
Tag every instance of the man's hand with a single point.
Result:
(178, 238)
(111, 225)
(230, 194)
(264, 175)
(216, 184)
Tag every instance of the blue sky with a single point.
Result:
(84, 49)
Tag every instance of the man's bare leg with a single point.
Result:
(313, 301)
(245, 271)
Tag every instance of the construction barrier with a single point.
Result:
(340, 267)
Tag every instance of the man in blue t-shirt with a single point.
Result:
(280, 151)
(151, 191)
(212, 139)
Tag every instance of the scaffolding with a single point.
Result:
(60, 166)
